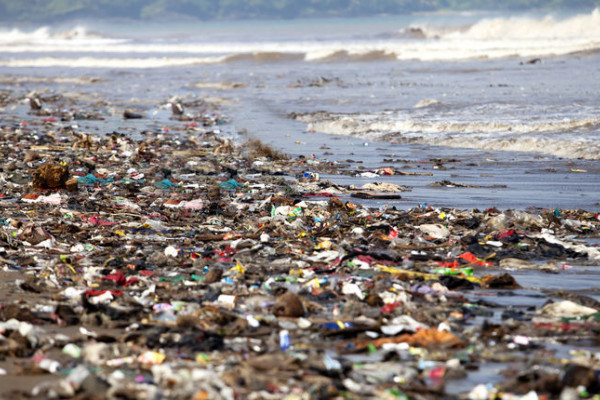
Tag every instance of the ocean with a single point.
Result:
(511, 99)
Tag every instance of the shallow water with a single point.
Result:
(457, 80)
(578, 279)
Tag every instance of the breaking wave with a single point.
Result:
(356, 56)
(485, 39)
(579, 26)
(549, 137)
(263, 57)
(507, 28)
(47, 36)
(96, 62)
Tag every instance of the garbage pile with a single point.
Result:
(185, 267)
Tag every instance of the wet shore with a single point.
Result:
(174, 258)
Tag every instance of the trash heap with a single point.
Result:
(184, 267)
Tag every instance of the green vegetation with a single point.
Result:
(59, 10)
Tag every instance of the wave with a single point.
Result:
(160, 62)
(47, 36)
(132, 56)
(584, 149)
(485, 39)
(504, 28)
(356, 125)
(579, 26)
(263, 57)
(549, 137)
(96, 62)
(356, 56)
(441, 50)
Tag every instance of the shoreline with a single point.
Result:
(200, 269)
(437, 176)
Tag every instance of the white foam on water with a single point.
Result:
(554, 137)
(98, 62)
(77, 36)
(517, 28)
(585, 149)
(487, 38)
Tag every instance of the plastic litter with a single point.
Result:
(174, 263)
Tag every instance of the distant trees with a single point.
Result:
(56, 10)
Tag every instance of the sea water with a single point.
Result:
(512, 99)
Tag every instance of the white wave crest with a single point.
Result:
(95, 62)
(579, 26)
(549, 137)
(486, 39)
(586, 149)
(46, 36)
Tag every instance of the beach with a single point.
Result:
(345, 212)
